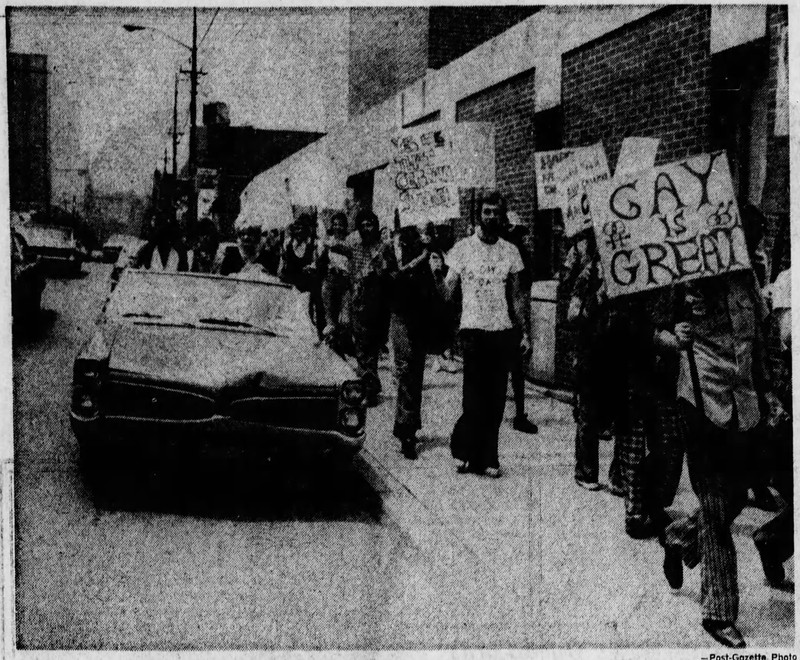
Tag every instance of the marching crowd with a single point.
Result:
(700, 370)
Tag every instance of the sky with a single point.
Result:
(111, 91)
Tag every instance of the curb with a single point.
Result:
(408, 513)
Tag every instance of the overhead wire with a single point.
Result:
(208, 29)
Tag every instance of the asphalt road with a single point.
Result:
(219, 556)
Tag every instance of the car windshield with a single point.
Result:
(209, 301)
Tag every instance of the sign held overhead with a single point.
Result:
(574, 177)
(424, 175)
(668, 224)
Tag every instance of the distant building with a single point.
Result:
(229, 157)
(28, 148)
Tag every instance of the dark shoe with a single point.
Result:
(725, 633)
(640, 527)
(409, 449)
(673, 566)
(523, 424)
(661, 520)
(588, 485)
(493, 473)
(773, 569)
(764, 499)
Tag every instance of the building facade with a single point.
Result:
(28, 148)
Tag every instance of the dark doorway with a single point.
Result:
(737, 78)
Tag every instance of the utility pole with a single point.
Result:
(164, 169)
(192, 164)
(175, 136)
(193, 125)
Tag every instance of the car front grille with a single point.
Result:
(155, 402)
(299, 412)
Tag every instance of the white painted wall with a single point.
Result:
(734, 25)
(361, 143)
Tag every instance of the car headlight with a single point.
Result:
(84, 402)
(87, 380)
(351, 418)
(353, 392)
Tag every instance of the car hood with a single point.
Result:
(213, 359)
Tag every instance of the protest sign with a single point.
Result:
(574, 176)
(424, 175)
(668, 224)
(547, 191)
(637, 153)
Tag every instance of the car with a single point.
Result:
(187, 364)
(27, 281)
(118, 243)
(55, 245)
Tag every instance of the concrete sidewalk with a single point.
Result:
(531, 559)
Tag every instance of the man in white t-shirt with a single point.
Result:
(486, 268)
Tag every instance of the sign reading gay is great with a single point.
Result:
(668, 224)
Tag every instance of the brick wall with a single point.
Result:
(457, 30)
(509, 105)
(388, 52)
(649, 78)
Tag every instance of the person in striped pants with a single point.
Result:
(722, 396)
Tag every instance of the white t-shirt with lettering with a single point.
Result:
(484, 269)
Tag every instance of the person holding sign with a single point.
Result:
(722, 391)
(620, 384)
(413, 290)
(486, 268)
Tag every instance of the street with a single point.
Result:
(212, 562)
(389, 554)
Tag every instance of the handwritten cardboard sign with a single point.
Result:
(547, 191)
(668, 224)
(636, 153)
(424, 176)
(574, 176)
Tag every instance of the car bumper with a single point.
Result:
(62, 259)
(217, 436)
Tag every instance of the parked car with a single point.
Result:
(27, 281)
(114, 246)
(190, 364)
(55, 245)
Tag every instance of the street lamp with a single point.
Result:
(129, 27)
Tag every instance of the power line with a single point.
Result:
(213, 18)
